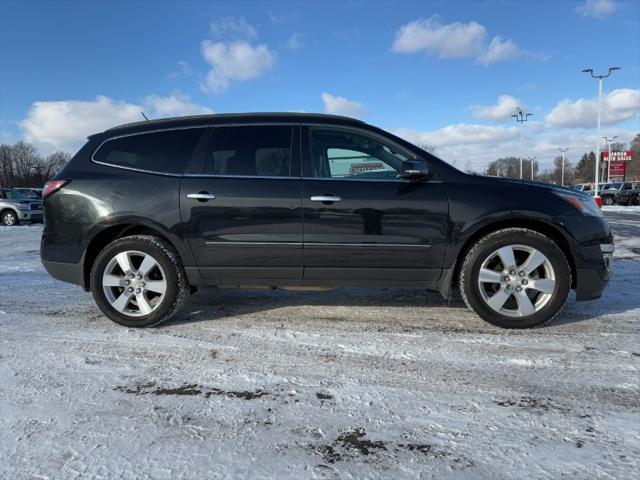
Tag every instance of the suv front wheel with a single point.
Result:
(139, 281)
(515, 278)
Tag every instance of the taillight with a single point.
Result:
(52, 187)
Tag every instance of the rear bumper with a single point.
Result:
(66, 272)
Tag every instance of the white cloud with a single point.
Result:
(454, 40)
(460, 134)
(233, 27)
(617, 106)
(234, 61)
(184, 70)
(506, 106)
(65, 124)
(175, 105)
(499, 50)
(599, 9)
(342, 106)
(294, 42)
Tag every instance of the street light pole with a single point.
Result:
(521, 118)
(599, 78)
(608, 141)
(563, 150)
(532, 159)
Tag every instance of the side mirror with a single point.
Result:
(414, 170)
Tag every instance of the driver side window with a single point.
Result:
(348, 155)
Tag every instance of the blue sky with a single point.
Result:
(444, 73)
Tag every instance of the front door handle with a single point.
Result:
(325, 198)
(201, 196)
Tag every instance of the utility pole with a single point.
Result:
(521, 118)
(599, 78)
(532, 160)
(563, 150)
(609, 140)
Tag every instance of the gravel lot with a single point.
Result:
(352, 383)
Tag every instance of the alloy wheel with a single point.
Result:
(516, 280)
(134, 283)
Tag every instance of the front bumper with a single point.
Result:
(590, 282)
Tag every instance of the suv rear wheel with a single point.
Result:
(139, 281)
(515, 278)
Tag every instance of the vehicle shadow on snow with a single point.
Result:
(212, 304)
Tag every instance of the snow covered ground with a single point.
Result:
(352, 383)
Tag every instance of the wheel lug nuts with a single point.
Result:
(131, 289)
(131, 275)
(521, 273)
(138, 290)
(139, 277)
(518, 289)
(143, 284)
(506, 278)
(127, 282)
(524, 282)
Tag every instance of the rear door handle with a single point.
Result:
(201, 196)
(325, 198)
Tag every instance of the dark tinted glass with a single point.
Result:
(164, 152)
(262, 151)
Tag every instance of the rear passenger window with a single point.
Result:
(162, 152)
(263, 151)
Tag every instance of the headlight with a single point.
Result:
(587, 206)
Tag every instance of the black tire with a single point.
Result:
(177, 286)
(9, 218)
(488, 245)
(634, 201)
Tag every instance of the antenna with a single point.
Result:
(145, 117)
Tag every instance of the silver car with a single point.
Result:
(16, 208)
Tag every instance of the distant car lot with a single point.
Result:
(352, 383)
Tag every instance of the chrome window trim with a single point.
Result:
(322, 244)
(261, 177)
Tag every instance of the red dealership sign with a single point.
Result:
(617, 156)
(617, 171)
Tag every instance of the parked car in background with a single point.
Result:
(144, 213)
(35, 193)
(609, 192)
(16, 208)
(628, 194)
(583, 187)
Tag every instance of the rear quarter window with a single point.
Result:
(162, 152)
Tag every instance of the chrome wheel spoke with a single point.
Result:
(507, 257)
(535, 259)
(124, 262)
(525, 307)
(157, 286)
(143, 304)
(489, 276)
(497, 300)
(122, 301)
(544, 285)
(148, 262)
